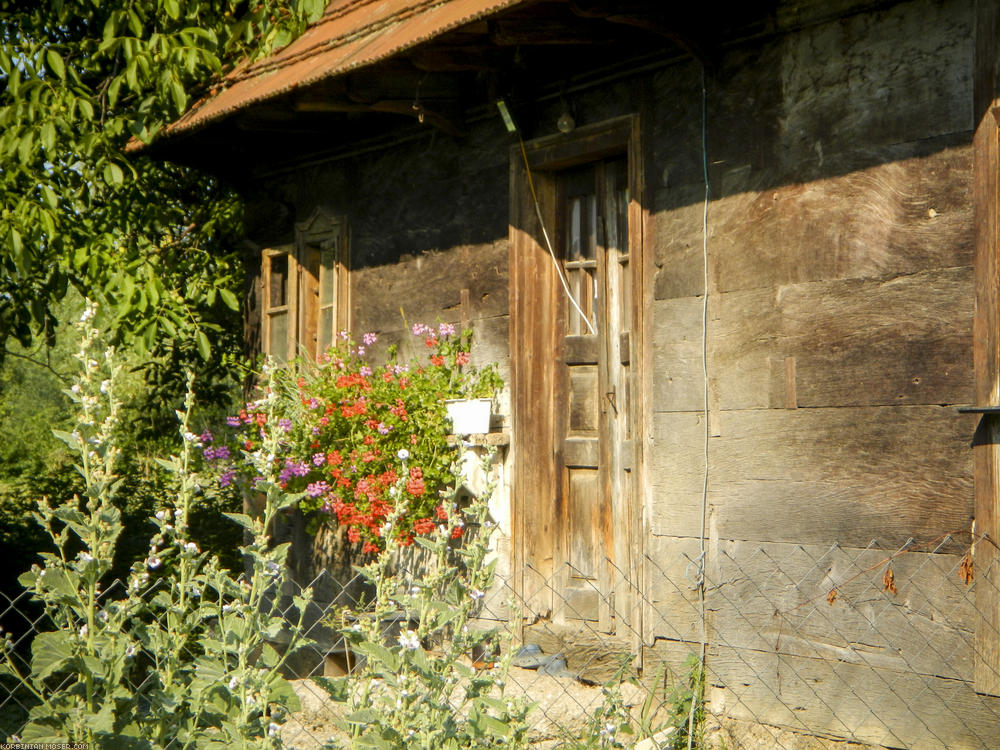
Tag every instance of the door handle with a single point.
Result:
(612, 398)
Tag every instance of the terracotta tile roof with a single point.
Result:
(351, 34)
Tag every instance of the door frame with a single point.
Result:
(536, 357)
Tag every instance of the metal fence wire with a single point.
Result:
(803, 647)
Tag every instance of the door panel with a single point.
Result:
(596, 426)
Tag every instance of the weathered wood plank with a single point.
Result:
(893, 218)
(853, 701)
(905, 340)
(773, 597)
(848, 475)
(429, 286)
(864, 79)
(672, 607)
(986, 192)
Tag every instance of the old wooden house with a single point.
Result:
(779, 221)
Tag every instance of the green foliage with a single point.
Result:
(417, 685)
(348, 424)
(78, 80)
(180, 655)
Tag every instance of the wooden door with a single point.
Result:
(593, 407)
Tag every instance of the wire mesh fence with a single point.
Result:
(802, 647)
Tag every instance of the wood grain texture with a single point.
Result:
(986, 164)
(903, 340)
(848, 475)
(893, 218)
(854, 701)
(773, 597)
(430, 286)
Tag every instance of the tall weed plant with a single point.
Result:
(179, 655)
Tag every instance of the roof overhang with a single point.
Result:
(351, 34)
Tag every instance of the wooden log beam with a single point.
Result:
(986, 331)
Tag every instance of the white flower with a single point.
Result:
(402, 454)
(88, 312)
(130, 651)
(75, 388)
(272, 729)
(476, 594)
(609, 729)
(160, 515)
(84, 631)
(191, 547)
(154, 562)
(233, 683)
(105, 384)
(85, 557)
(408, 640)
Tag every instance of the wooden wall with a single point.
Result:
(839, 341)
(838, 338)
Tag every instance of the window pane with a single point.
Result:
(325, 338)
(327, 278)
(277, 338)
(278, 280)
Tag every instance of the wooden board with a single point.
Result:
(774, 597)
(878, 706)
(896, 76)
(906, 340)
(848, 475)
(428, 287)
(987, 336)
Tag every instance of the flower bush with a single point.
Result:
(346, 425)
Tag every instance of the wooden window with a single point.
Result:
(277, 311)
(306, 290)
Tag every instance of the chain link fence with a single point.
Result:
(803, 647)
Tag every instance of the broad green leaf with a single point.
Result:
(51, 652)
(113, 174)
(55, 63)
(204, 347)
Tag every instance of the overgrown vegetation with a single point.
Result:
(179, 654)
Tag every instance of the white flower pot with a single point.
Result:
(469, 416)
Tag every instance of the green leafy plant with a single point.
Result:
(180, 654)
(428, 676)
(348, 426)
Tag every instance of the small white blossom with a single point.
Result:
(105, 384)
(272, 729)
(476, 594)
(75, 388)
(402, 454)
(130, 651)
(84, 631)
(233, 683)
(408, 640)
(85, 557)
(191, 547)
(154, 562)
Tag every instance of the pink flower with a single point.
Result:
(446, 329)
(369, 338)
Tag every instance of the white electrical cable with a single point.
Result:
(704, 373)
(548, 242)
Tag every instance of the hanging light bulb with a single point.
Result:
(565, 123)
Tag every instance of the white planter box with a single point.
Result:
(469, 416)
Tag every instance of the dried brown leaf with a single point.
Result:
(831, 597)
(965, 569)
(889, 581)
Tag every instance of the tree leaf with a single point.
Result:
(229, 299)
(55, 63)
